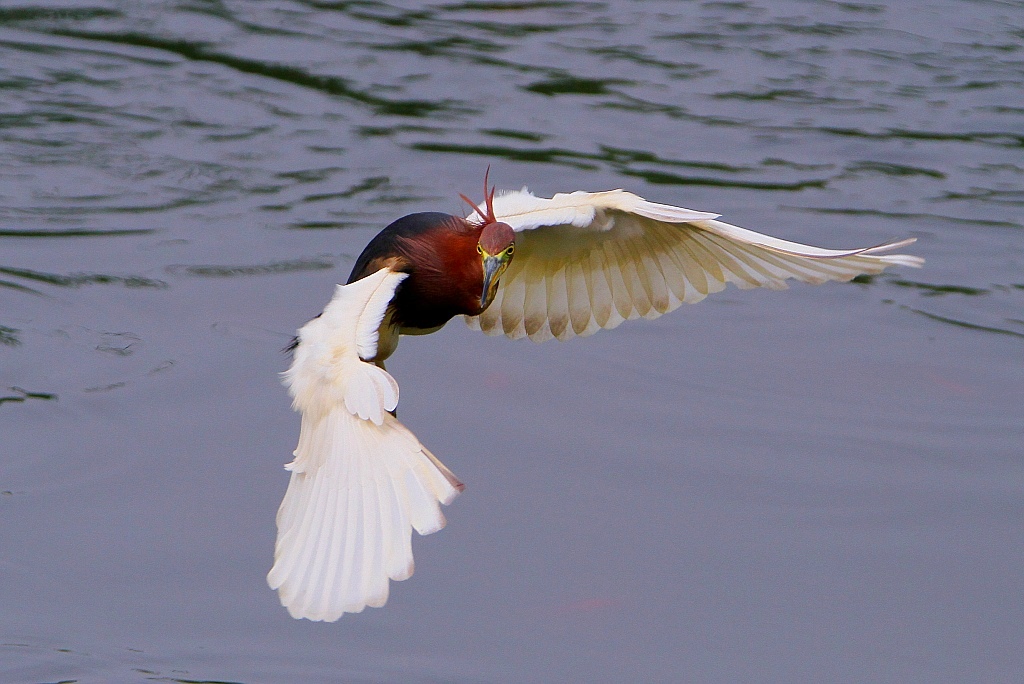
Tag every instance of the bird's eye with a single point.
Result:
(510, 250)
(479, 249)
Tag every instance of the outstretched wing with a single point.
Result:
(361, 481)
(586, 261)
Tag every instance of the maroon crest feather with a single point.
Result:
(489, 217)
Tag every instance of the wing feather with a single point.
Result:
(693, 266)
(632, 265)
(733, 271)
(361, 481)
(580, 313)
(586, 261)
(558, 301)
(661, 297)
(513, 307)
(535, 307)
(675, 281)
(372, 562)
(601, 300)
(622, 296)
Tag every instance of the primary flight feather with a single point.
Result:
(523, 266)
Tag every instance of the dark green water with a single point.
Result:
(818, 485)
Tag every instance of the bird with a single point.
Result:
(518, 265)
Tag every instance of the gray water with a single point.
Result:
(824, 484)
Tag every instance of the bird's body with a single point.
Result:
(583, 261)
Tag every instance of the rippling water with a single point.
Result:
(818, 485)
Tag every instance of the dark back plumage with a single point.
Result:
(389, 242)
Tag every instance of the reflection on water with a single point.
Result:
(260, 269)
(79, 279)
(771, 487)
(9, 336)
(22, 395)
(896, 215)
(1019, 332)
(33, 662)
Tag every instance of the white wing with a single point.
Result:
(586, 261)
(361, 481)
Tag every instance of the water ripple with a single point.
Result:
(332, 85)
(968, 325)
(273, 268)
(902, 216)
(169, 168)
(9, 336)
(20, 395)
(79, 279)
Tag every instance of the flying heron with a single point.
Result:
(522, 266)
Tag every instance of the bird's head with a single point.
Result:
(496, 245)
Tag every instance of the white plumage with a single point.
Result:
(361, 481)
(586, 261)
(583, 261)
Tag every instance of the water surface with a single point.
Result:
(822, 484)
